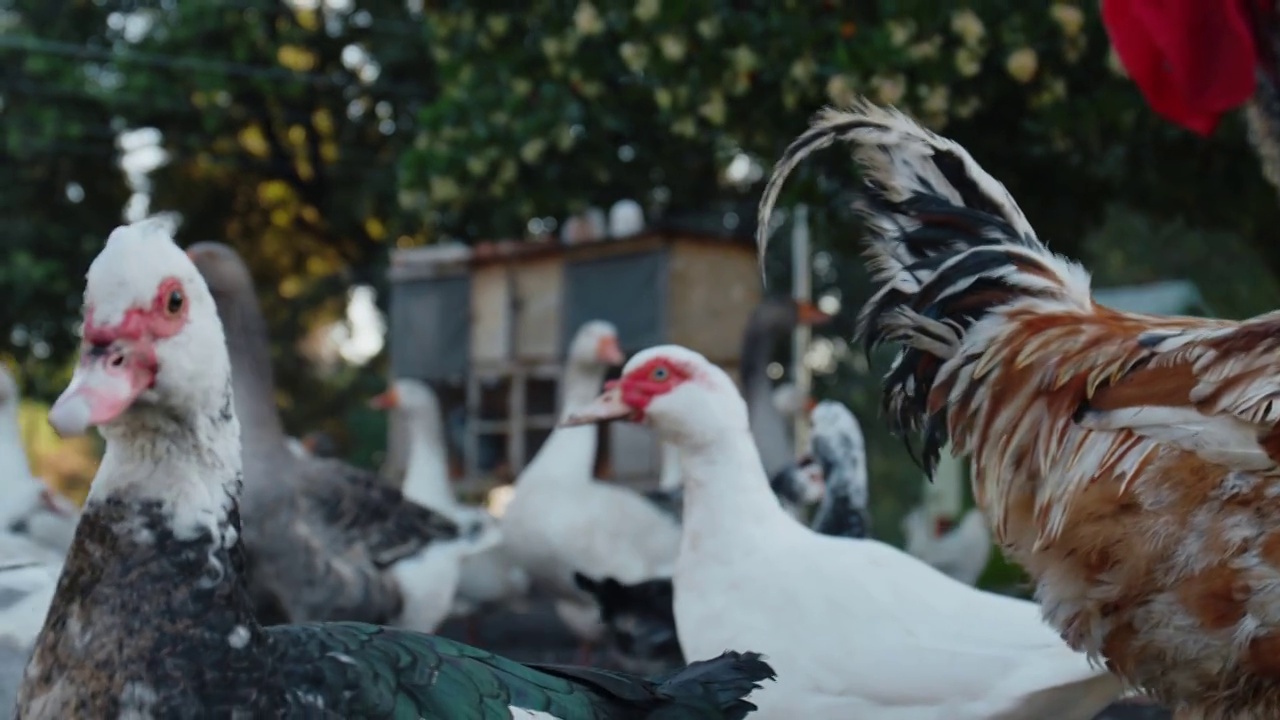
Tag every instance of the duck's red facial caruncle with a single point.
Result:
(629, 396)
(118, 361)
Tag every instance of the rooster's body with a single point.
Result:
(1128, 462)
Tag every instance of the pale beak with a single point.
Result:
(608, 351)
(609, 406)
(385, 401)
(103, 387)
(808, 314)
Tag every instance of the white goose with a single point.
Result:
(487, 576)
(562, 520)
(855, 628)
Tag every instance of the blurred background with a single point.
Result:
(329, 141)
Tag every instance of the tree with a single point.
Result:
(556, 105)
(282, 124)
(60, 188)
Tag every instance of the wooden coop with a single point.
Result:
(488, 329)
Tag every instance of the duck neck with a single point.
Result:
(426, 479)
(768, 426)
(726, 493)
(568, 455)
(163, 514)
(251, 375)
(670, 479)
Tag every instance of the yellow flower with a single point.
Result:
(1069, 17)
(477, 165)
(714, 109)
(1022, 64)
(662, 97)
(889, 89)
(532, 150)
(925, 49)
(709, 28)
(506, 171)
(564, 137)
(937, 99)
(803, 69)
(968, 62)
(521, 87)
(634, 55)
(841, 91)
(1114, 64)
(743, 59)
(673, 46)
(647, 10)
(587, 19)
(968, 26)
(685, 127)
(498, 24)
(443, 189)
(901, 31)
(967, 107)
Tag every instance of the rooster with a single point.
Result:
(1128, 462)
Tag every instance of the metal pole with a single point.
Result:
(801, 289)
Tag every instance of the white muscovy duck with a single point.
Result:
(640, 616)
(487, 577)
(562, 520)
(325, 540)
(153, 618)
(961, 550)
(855, 628)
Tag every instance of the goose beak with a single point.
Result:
(609, 406)
(105, 383)
(808, 314)
(385, 401)
(608, 351)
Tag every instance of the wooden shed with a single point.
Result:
(488, 328)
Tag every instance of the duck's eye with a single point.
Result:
(660, 373)
(173, 305)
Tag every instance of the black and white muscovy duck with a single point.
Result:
(640, 616)
(152, 616)
(325, 540)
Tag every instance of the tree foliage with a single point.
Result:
(552, 106)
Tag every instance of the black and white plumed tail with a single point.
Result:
(947, 244)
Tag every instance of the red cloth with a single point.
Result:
(1193, 60)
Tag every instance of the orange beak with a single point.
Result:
(608, 351)
(388, 400)
(808, 314)
(809, 404)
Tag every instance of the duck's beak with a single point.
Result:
(106, 382)
(609, 406)
(386, 400)
(609, 352)
(808, 314)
